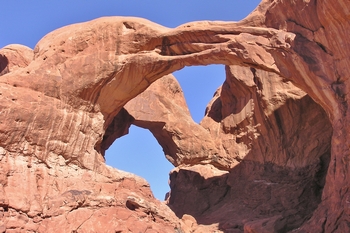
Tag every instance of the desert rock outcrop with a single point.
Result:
(271, 154)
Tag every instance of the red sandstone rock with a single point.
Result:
(14, 56)
(163, 110)
(266, 123)
(266, 144)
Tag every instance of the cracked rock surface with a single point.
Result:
(270, 155)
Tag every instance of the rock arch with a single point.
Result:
(82, 75)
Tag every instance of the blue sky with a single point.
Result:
(27, 21)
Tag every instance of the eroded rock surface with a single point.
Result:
(271, 154)
(268, 153)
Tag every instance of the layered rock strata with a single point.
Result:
(276, 160)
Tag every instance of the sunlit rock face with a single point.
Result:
(262, 150)
(270, 155)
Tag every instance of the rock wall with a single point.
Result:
(271, 154)
(261, 151)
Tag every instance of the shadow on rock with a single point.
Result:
(251, 197)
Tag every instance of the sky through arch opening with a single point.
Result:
(199, 84)
(139, 152)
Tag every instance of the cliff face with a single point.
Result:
(271, 154)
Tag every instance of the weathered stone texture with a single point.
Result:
(270, 155)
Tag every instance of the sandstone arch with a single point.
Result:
(82, 75)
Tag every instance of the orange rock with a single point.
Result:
(270, 154)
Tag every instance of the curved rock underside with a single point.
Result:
(270, 155)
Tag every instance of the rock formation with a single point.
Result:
(270, 155)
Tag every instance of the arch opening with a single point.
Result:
(147, 159)
(270, 126)
(138, 152)
(199, 83)
(280, 141)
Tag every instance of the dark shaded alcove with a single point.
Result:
(279, 182)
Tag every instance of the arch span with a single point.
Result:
(255, 130)
(83, 75)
